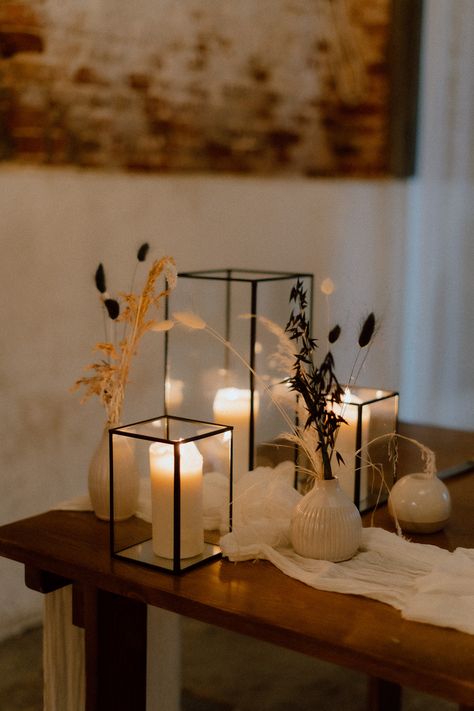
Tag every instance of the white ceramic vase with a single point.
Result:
(420, 502)
(326, 524)
(126, 479)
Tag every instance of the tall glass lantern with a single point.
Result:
(225, 372)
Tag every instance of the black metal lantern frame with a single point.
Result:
(173, 456)
(206, 377)
(370, 413)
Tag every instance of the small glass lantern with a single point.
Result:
(369, 414)
(225, 383)
(185, 469)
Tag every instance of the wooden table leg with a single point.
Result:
(384, 695)
(115, 646)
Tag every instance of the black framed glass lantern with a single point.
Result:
(231, 383)
(369, 413)
(185, 469)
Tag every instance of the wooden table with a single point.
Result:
(110, 598)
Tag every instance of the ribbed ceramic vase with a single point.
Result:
(326, 524)
(126, 479)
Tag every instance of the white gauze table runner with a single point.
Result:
(425, 582)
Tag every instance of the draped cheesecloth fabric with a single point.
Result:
(425, 582)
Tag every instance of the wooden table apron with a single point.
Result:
(254, 598)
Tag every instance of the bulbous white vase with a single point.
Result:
(326, 524)
(420, 502)
(126, 479)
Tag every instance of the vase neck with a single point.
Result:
(327, 483)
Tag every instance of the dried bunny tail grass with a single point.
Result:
(284, 357)
(113, 308)
(165, 325)
(365, 340)
(143, 251)
(334, 334)
(367, 331)
(273, 328)
(190, 319)
(100, 279)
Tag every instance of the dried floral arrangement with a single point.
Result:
(110, 374)
(317, 386)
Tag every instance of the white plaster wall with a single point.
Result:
(56, 225)
(55, 228)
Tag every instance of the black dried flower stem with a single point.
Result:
(101, 285)
(112, 306)
(142, 253)
(100, 279)
(365, 340)
(367, 331)
(318, 385)
(141, 256)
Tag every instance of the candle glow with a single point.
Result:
(346, 441)
(232, 407)
(162, 474)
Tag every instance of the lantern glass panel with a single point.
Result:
(185, 469)
(231, 385)
(369, 414)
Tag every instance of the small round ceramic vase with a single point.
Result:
(126, 479)
(326, 524)
(420, 502)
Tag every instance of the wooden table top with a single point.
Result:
(255, 598)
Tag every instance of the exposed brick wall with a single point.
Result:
(304, 90)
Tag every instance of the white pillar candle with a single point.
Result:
(346, 440)
(232, 407)
(162, 473)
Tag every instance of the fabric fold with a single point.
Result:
(426, 583)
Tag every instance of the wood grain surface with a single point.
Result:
(255, 598)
